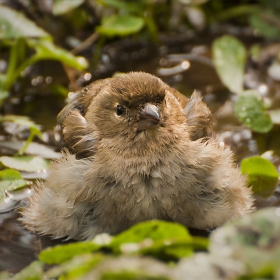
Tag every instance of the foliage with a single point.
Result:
(229, 57)
(249, 248)
(19, 33)
(10, 180)
(262, 175)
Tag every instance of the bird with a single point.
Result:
(136, 150)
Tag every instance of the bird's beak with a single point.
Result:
(149, 117)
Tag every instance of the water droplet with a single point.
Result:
(185, 64)
(105, 58)
(48, 80)
(3, 65)
(87, 76)
(37, 80)
(82, 61)
(263, 89)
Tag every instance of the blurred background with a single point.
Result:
(50, 49)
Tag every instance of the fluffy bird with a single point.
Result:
(137, 150)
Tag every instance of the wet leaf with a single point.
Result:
(32, 272)
(62, 253)
(25, 163)
(149, 232)
(229, 57)
(251, 243)
(175, 248)
(116, 25)
(10, 180)
(33, 148)
(75, 267)
(45, 49)
(22, 120)
(132, 267)
(64, 6)
(262, 175)
(250, 110)
(14, 25)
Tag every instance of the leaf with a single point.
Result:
(150, 231)
(229, 57)
(10, 180)
(175, 248)
(32, 272)
(25, 163)
(14, 25)
(116, 25)
(64, 6)
(252, 243)
(75, 267)
(262, 175)
(22, 120)
(45, 49)
(250, 110)
(265, 28)
(131, 7)
(62, 253)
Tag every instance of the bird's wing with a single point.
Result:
(199, 117)
(76, 132)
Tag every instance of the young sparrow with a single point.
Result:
(136, 151)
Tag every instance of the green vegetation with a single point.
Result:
(27, 41)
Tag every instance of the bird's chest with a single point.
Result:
(145, 191)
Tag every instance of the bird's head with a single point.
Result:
(135, 106)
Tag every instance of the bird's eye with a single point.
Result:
(119, 110)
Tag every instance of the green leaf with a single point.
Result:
(62, 253)
(262, 175)
(250, 110)
(175, 248)
(78, 266)
(25, 163)
(116, 25)
(14, 25)
(64, 6)
(265, 28)
(150, 230)
(32, 272)
(131, 275)
(45, 49)
(229, 57)
(10, 180)
(133, 7)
